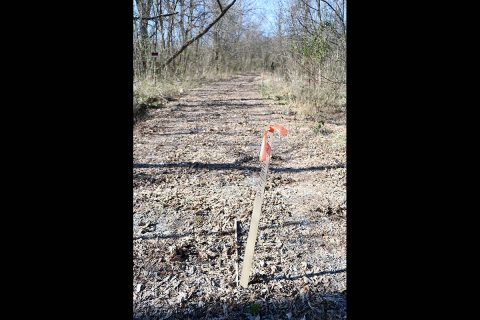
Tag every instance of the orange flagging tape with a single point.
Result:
(257, 204)
(265, 149)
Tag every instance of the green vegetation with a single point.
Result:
(253, 309)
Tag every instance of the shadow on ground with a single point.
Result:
(308, 275)
(303, 305)
(231, 166)
(220, 233)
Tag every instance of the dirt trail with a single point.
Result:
(195, 170)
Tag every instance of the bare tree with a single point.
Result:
(198, 36)
(309, 42)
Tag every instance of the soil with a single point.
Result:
(196, 169)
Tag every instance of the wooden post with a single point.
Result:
(237, 249)
(265, 153)
(252, 233)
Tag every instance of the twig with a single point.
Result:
(220, 5)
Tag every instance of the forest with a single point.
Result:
(239, 159)
(178, 43)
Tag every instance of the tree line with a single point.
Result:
(306, 43)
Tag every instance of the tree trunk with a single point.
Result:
(160, 11)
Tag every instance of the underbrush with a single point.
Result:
(150, 94)
(325, 102)
(156, 93)
(153, 93)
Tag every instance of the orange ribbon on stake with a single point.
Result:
(265, 153)
(266, 150)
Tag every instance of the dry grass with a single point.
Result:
(321, 103)
(148, 93)
(154, 94)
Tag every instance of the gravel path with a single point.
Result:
(195, 171)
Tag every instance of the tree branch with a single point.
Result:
(198, 36)
(156, 17)
(308, 5)
(336, 13)
(220, 5)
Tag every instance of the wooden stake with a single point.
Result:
(252, 233)
(264, 157)
(237, 248)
